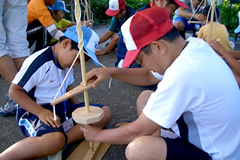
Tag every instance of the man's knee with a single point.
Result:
(142, 100)
(141, 148)
(133, 150)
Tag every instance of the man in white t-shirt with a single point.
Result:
(197, 99)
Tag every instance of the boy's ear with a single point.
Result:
(66, 42)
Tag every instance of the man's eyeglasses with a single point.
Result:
(145, 50)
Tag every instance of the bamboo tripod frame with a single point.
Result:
(82, 115)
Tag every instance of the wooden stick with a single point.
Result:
(86, 5)
(82, 59)
(84, 152)
(212, 14)
(197, 22)
(205, 3)
(71, 93)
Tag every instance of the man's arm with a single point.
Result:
(108, 34)
(135, 76)
(232, 61)
(109, 47)
(122, 135)
(18, 94)
(236, 54)
(184, 14)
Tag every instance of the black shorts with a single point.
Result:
(178, 149)
(39, 34)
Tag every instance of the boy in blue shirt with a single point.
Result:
(34, 87)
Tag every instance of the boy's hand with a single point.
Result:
(47, 117)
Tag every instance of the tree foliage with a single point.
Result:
(99, 7)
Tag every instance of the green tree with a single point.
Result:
(232, 19)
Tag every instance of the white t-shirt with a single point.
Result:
(41, 78)
(157, 75)
(199, 90)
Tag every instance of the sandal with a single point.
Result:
(120, 123)
(9, 108)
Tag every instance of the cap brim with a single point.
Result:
(92, 56)
(111, 13)
(130, 57)
(66, 10)
(181, 4)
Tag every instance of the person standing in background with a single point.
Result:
(13, 44)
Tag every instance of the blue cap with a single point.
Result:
(90, 40)
(59, 5)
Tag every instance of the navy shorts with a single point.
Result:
(30, 125)
(178, 149)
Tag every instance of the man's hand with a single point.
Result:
(217, 47)
(87, 23)
(100, 52)
(90, 132)
(98, 75)
(47, 117)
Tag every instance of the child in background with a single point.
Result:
(219, 31)
(57, 12)
(40, 25)
(194, 12)
(35, 86)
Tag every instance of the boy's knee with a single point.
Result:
(107, 112)
(58, 140)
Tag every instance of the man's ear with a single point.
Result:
(66, 42)
(159, 3)
(159, 47)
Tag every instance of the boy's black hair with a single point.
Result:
(216, 13)
(171, 2)
(170, 37)
(55, 11)
(74, 45)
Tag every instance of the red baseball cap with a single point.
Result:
(181, 4)
(115, 7)
(178, 2)
(142, 29)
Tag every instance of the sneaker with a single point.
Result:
(9, 108)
